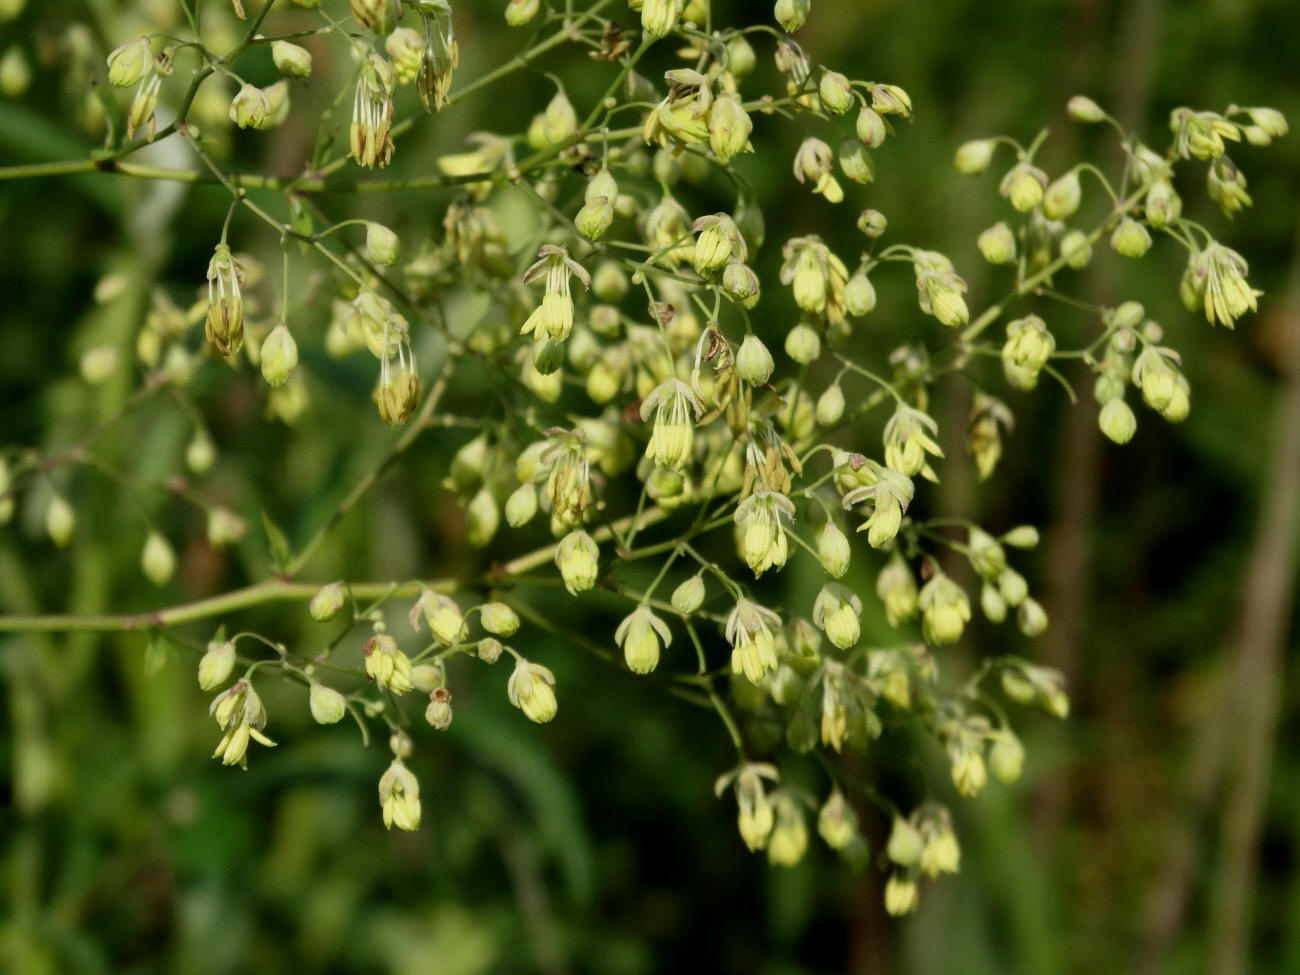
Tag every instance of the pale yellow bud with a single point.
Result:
(499, 618)
(292, 60)
(1081, 108)
(998, 244)
(1117, 421)
(279, 356)
(327, 602)
(382, 245)
(974, 156)
(327, 705)
(157, 559)
(60, 520)
(216, 664)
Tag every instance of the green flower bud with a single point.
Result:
(292, 61)
(870, 128)
(521, 506)
(1032, 617)
(225, 528)
(157, 559)
(1013, 587)
(830, 405)
(499, 618)
(1076, 249)
(1063, 196)
(872, 223)
(904, 844)
(559, 121)
(426, 678)
(792, 14)
(729, 126)
(998, 244)
(1130, 238)
(1081, 108)
(901, 895)
(60, 521)
(833, 550)
(521, 12)
(741, 284)
(689, 595)
(658, 17)
(250, 108)
(837, 823)
(327, 705)
(577, 559)
(992, 604)
(382, 244)
(945, 610)
(594, 218)
(1023, 186)
(1006, 757)
(482, 518)
(98, 364)
(837, 611)
(835, 92)
(789, 838)
(740, 57)
(1117, 421)
(609, 283)
(803, 344)
(327, 602)
(1022, 536)
(974, 157)
(216, 664)
(1128, 315)
(891, 100)
(1270, 120)
(127, 64)
(753, 362)
(1163, 204)
(279, 356)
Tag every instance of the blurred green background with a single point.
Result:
(1156, 830)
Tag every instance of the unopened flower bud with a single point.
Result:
(200, 453)
(157, 559)
(489, 650)
(127, 64)
(216, 664)
(98, 364)
(998, 244)
(520, 12)
(900, 895)
(327, 602)
(1022, 536)
(753, 362)
(60, 520)
(830, 405)
(531, 689)
(741, 284)
(327, 705)
(382, 244)
(279, 356)
(521, 505)
(1006, 757)
(870, 128)
(595, 218)
(1081, 108)
(836, 93)
(499, 618)
(687, 597)
(577, 558)
(904, 844)
(1076, 249)
(609, 283)
(1032, 618)
(859, 295)
(872, 223)
(833, 550)
(792, 14)
(974, 156)
(1130, 238)
(837, 822)
(292, 60)
(225, 528)
(1023, 185)
(803, 344)
(658, 17)
(1062, 197)
(1117, 421)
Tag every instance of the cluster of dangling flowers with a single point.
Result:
(654, 372)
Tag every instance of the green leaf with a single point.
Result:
(277, 544)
